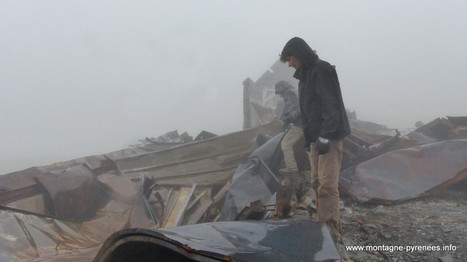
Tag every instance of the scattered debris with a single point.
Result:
(190, 198)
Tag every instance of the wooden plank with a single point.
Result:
(195, 151)
(203, 202)
(176, 213)
(221, 194)
(202, 194)
(19, 193)
(210, 179)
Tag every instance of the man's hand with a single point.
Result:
(322, 145)
(292, 116)
(295, 114)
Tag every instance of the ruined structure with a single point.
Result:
(165, 195)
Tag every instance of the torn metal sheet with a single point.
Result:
(119, 188)
(370, 131)
(407, 173)
(357, 150)
(272, 241)
(205, 135)
(74, 194)
(257, 210)
(210, 161)
(170, 137)
(444, 128)
(253, 180)
(18, 193)
(19, 181)
(27, 237)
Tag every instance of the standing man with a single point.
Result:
(292, 123)
(325, 124)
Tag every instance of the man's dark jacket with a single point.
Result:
(321, 105)
(291, 112)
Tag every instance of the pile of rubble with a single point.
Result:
(72, 208)
(211, 198)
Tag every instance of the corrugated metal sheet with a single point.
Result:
(407, 173)
(272, 241)
(68, 209)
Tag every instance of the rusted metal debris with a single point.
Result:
(426, 159)
(407, 173)
(444, 128)
(284, 240)
(207, 181)
(72, 207)
(69, 209)
(37, 235)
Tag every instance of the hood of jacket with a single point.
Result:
(299, 48)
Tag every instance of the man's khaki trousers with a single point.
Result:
(293, 135)
(325, 171)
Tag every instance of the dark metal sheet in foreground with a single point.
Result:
(408, 173)
(283, 240)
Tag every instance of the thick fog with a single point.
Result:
(88, 77)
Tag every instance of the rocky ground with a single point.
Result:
(430, 228)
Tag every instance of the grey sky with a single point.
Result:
(89, 77)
